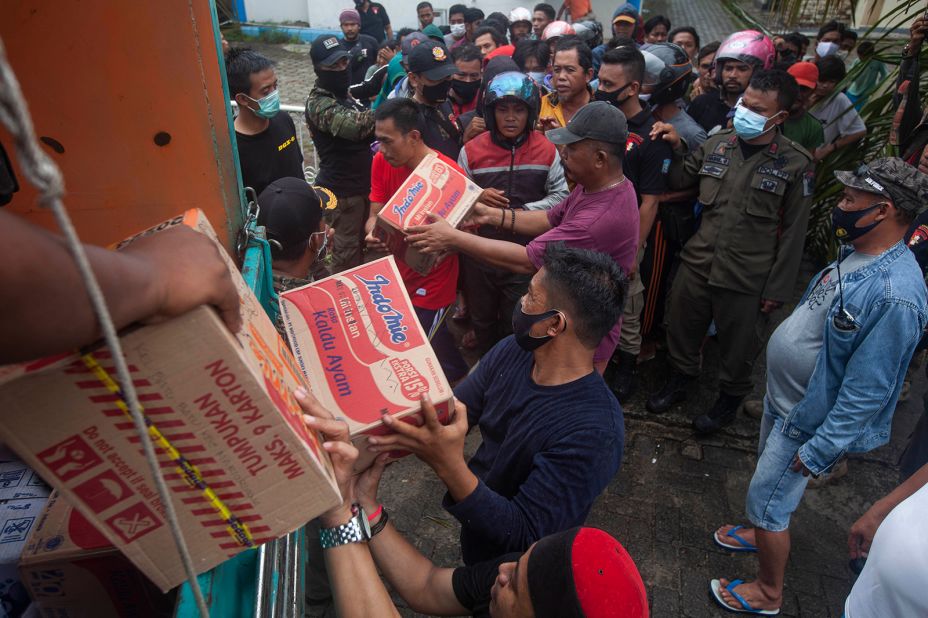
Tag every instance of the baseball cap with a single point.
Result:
(805, 74)
(410, 41)
(432, 60)
(584, 573)
(893, 178)
(597, 120)
(624, 17)
(326, 51)
(290, 210)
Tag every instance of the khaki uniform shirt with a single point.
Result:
(754, 216)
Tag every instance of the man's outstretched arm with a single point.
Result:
(44, 308)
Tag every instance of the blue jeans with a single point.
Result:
(775, 489)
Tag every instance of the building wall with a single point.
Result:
(869, 12)
(324, 14)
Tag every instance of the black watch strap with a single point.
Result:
(380, 525)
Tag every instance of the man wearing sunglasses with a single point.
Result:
(835, 366)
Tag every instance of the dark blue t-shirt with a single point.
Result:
(547, 453)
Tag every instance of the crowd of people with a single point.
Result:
(652, 190)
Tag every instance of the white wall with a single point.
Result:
(324, 13)
(282, 10)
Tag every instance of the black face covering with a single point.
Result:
(522, 325)
(437, 93)
(335, 82)
(612, 98)
(465, 91)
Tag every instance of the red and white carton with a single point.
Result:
(241, 465)
(70, 569)
(358, 341)
(433, 187)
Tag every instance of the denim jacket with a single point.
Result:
(852, 393)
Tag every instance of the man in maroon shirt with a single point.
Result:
(401, 149)
(601, 213)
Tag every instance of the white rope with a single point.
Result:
(46, 177)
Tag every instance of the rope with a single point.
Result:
(46, 177)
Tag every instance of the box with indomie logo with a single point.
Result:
(241, 465)
(358, 341)
(433, 187)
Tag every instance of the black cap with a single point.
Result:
(893, 178)
(290, 210)
(326, 51)
(432, 60)
(597, 120)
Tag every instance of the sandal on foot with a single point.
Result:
(742, 546)
(745, 608)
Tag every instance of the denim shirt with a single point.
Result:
(852, 393)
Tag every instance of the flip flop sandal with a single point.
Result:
(742, 546)
(745, 608)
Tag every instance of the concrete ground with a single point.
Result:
(673, 490)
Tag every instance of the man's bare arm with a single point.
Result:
(45, 309)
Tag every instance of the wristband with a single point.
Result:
(512, 220)
(375, 514)
(380, 525)
(502, 218)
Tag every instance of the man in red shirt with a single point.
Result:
(396, 126)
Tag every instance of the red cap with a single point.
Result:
(806, 74)
(605, 577)
(584, 573)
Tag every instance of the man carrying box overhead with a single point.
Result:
(401, 149)
(552, 430)
(601, 213)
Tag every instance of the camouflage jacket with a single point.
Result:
(341, 118)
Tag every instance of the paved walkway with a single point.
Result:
(709, 17)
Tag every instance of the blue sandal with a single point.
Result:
(714, 587)
(742, 546)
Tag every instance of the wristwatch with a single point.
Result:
(355, 530)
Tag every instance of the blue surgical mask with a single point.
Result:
(749, 124)
(267, 106)
(537, 76)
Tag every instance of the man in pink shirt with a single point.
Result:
(600, 214)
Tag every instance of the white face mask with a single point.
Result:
(842, 54)
(457, 30)
(826, 48)
(644, 97)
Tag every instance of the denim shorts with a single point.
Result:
(775, 490)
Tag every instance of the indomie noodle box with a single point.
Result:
(241, 466)
(433, 187)
(357, 339)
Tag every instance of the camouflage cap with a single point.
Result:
(893, 178)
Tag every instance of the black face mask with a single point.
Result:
(522, 323)
(437, 93)
(612, 98)
(465, 91)
(844, 223)
(335, 82)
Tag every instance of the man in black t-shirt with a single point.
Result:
(342, 131)
(362, 48)
(268, 148)
(577, 573)
(646, 164)
(374, 20)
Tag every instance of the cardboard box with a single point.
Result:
(18, 481)
(17, 519)
(433, 187)
(358, 341)
(70, 569)
(241, 465)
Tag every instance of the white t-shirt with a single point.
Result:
(894, 582)
(835, 120)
